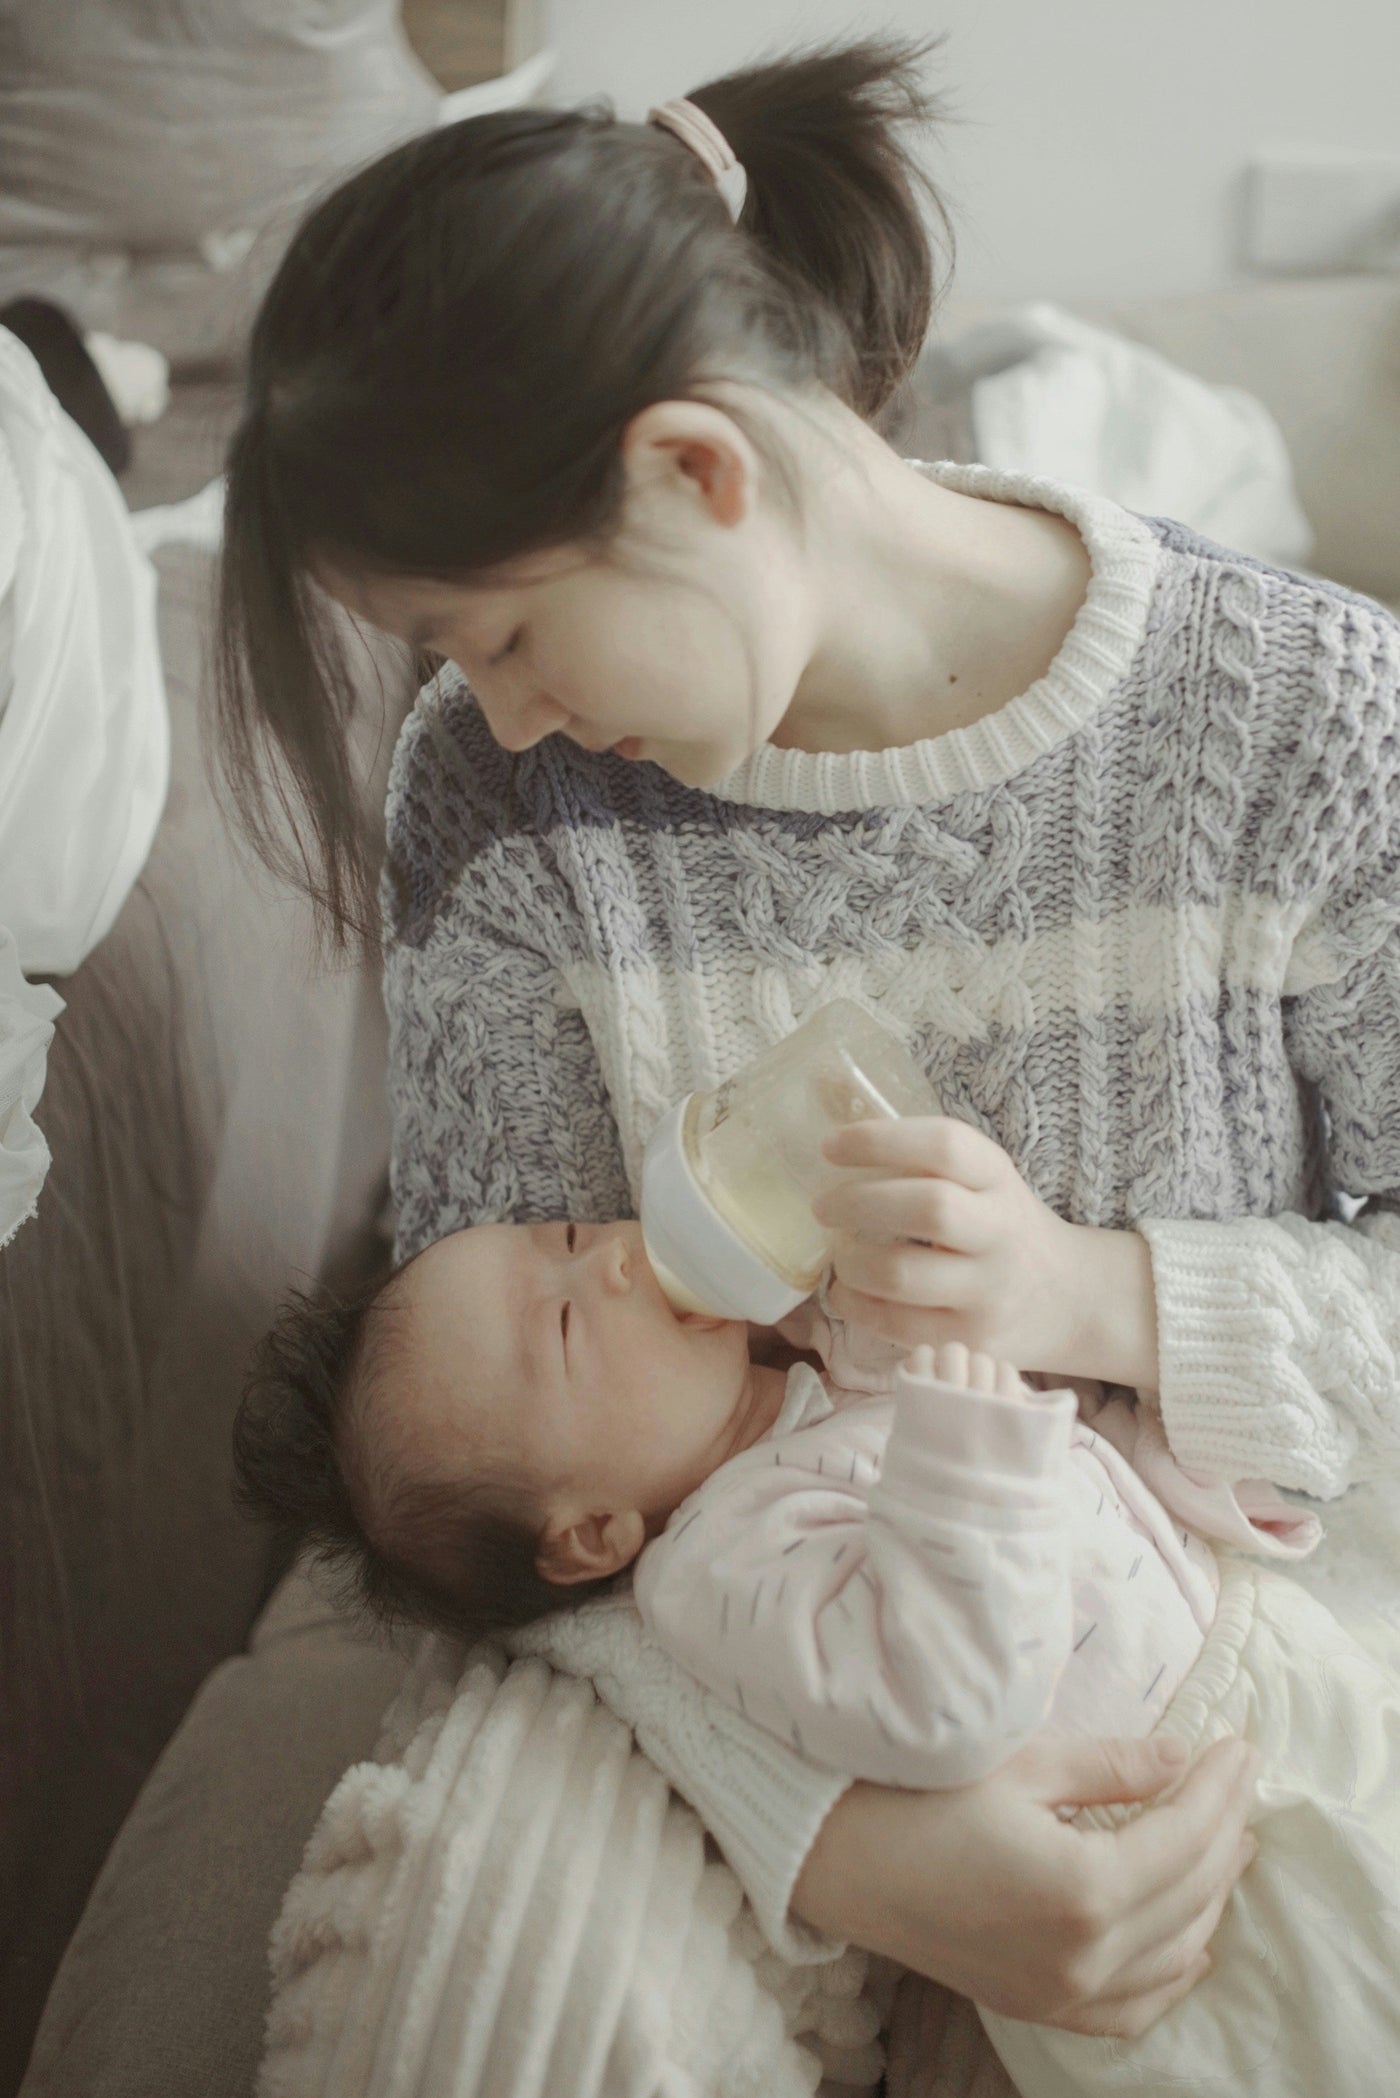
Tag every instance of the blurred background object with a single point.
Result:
(463, 42)
(1103, 151)
(72, 375)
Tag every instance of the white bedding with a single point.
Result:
(1056, 396)
(27, 1014)
(84, 730)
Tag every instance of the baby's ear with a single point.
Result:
(590, 1549)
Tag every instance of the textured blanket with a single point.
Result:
(512, 1903)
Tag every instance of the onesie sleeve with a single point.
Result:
(907, 1628)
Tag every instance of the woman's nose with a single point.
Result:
(520, 724)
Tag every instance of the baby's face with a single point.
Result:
(548, 1353)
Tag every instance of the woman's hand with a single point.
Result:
(945, 1242)
(989, 1891)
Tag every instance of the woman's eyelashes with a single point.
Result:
(509, 650)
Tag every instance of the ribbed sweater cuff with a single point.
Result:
(763, 1804)
(766, 1826)
(1222, 1339)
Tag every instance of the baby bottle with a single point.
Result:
(729, 1177)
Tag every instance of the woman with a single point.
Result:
(759, 713)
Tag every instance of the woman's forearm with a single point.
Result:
(989, 1891)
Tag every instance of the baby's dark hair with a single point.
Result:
(458, 337)
(456, 1556)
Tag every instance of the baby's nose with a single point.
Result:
(615, 1267)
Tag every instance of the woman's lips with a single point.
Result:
(629, 747)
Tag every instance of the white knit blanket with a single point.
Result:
(510, 1902)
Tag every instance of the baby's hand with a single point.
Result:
(954, 1364)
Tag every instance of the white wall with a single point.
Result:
(1101, 142)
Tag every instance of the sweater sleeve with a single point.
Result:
(499, 1109)
(908, 1629)
(1279, 1338)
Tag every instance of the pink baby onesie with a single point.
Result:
(908, 1582)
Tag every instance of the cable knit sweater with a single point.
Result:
(1141, 925)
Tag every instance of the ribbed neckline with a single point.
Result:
(1092, 661)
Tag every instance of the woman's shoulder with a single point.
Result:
(1281, 620)
(459, 810)
(1298, 674)
(447, 770)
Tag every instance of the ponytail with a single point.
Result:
(835, 195)
(458, 337)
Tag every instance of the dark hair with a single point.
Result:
(457, 1556)
(457, 338)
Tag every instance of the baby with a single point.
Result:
(904, 1571)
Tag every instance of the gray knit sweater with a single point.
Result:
(1142, 925)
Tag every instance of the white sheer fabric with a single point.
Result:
(27, 1014)
(84, 731)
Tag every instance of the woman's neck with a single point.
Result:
(928, 608)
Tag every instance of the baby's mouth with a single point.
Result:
(693, 1321)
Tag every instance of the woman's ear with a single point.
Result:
(690, 447)
(590, 1549)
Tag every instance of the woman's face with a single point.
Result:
(683, 644)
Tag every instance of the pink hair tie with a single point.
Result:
(710, 147)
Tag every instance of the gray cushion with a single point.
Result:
(164, 1986)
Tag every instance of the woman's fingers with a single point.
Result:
(1184, 1859)
(1165, 1962)
(903, 1274)
(1066, 1771)
(1128, 2017)
(920, 1145)
(936, 1212)
(1179, 1853)
(909, 1325)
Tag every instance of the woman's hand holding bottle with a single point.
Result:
(943, 1241)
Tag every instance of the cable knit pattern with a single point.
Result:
(1142, 926)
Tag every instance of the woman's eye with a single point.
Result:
(564, 1310)
(571, 1237)
(511, 646)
